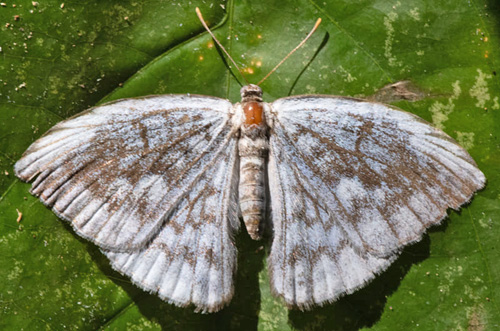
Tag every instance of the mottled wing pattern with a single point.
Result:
(152, 181)
(351, 183)
(193, 259)
(312, 260)
(118, 171)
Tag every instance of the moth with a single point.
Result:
(159, 184)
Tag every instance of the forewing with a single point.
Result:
(193, 259)
(117, 171)
(351, 183)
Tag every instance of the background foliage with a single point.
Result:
(57, 59)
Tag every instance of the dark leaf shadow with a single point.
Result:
(494, 7)
(358, 310)
(364, 307)
(240, 314)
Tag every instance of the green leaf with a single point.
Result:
(58, 59)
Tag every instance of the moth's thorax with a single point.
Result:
(253, 120)
(254, 113)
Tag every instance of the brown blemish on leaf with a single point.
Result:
(476, 322)
(403, 90)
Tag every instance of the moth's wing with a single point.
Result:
(117, 172)
(312, 260)
(193, 258)
(351, 183)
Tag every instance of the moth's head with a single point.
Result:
(251, 92)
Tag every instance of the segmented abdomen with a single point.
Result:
(252, 193)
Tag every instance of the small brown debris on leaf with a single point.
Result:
(402, 90)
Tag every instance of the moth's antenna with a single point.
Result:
(293, 51)
(198, 12)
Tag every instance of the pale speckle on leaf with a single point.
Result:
(415, 14)
(440, 111)
(389, 40)
(480, 89)
(496, 105)
(466, 139)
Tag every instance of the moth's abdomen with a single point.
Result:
(252, 194)
(253, 148)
